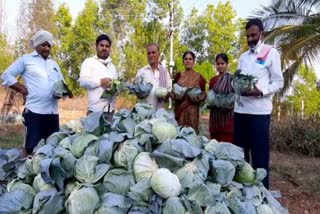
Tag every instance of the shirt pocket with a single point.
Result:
(33, 69)
(54, 74)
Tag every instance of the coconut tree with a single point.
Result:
(294, 27)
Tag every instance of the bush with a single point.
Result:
(296, 134)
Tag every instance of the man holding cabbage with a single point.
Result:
(156, 76)
(259, 76)
(96, 75)
(43, 86)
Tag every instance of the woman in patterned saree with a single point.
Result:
(187, 108)
(221, 119)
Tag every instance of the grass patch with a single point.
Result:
(11, 136)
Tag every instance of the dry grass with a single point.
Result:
(70, 109)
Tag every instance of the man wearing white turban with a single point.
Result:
(39, 73)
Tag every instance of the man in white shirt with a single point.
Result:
(39, 73)
(156, 74)
(96, 75)
(252, 118)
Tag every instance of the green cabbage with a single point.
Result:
(245, 175)
(144, 166)
(164, 131)
(161, 92)
(125, 155)
(88, 170)
(165, 183)
(82, 200)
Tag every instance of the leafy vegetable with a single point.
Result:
(164, 131)
(61, 90)
(165, 183)
(82, 200)
(141, 89)
(179, 91)
(144, 166)
(117, 86)
(161, 92)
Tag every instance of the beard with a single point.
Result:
(253, 43)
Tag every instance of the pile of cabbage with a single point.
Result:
(142, 162)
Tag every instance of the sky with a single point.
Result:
(243, 9)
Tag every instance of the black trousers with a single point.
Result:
(37, 127)
(251, 132)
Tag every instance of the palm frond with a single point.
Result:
(287, 12)
(288, 76)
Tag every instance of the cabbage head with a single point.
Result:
(164, 131)
(125, 155)
(161, 92)
(88, 170)
(219, 208)
(264, 209)
(174, 205)
(245, 175)
(81, 143)
(222, 172)
(144, 166)
(40, 185)
(194, 171)
(82, 200)
(194, 93)
(114, 204)
(179, 91)
(165, 183)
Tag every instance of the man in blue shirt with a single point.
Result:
(39, 73)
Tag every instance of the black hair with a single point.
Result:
(154, 44)
(191, 53)
(256, 22)
(103, 37)
(223, 56)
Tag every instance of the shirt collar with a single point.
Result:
(149, 67)
(35, 53)
(258, 49)
(103, 61)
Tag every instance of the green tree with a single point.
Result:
(5, 53)
(304, 90)
(153, 26)
(81, 43)
(63, 40)
(294, 26)
(211, 32)
(117, 19)
(23, 32)
(41, 15)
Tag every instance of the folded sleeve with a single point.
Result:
(9, 75)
